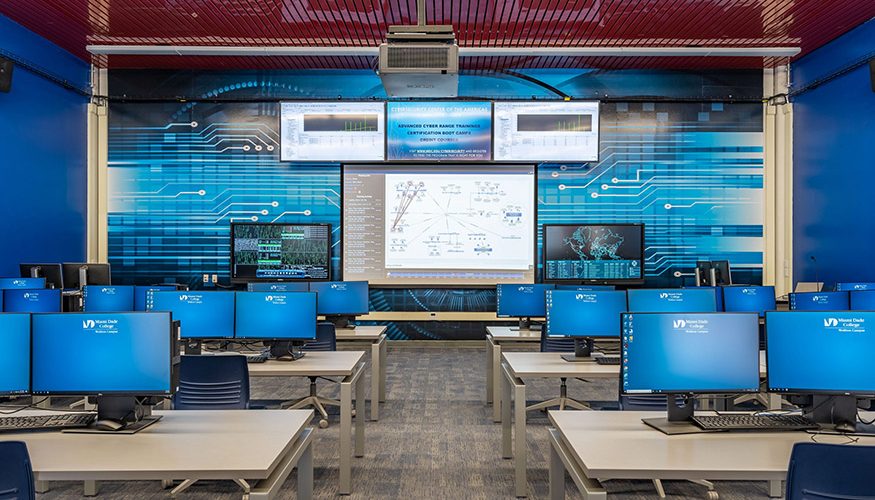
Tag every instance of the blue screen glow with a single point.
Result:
(341, 297)
(15, 355)
(6, 283)
(143, 295)
(850, 287)
(202, 315)
(758, 299)
(301, 286)
(584, 314)
(100, 298)
(521, 301)
(585, 288)
(444, 130)
(32, 301)
(276, 315)
(672, 300)
(863, 300)
(820, 301)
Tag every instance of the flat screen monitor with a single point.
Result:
(302, 286)
(102, 353)
(439, 131)
(439, 225)
(522, 301)
(15, 355)
(584, 314)
(586, 288)
(663, 300)
(280, 252)
(863, 300)
(341, 298)
(51, 272)
(95, 274)
(690, 353)
(99, 298)
(32, 301)
(202, 315)
(332, 131)
(276, 315)
(7, 283)
(820, 352)
(143, 295)
(546, 131)
(606, 253)
(820, 301)
(853, 286)
(758, 299)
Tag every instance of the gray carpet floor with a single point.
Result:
(435, 439)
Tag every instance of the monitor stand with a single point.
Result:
(583, 348)
(526, 324)
(341, 321)
(835, 413)
(286, 350)
(193, 348)
(680, 411)
(119, 415)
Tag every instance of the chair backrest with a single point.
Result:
(555, 344)
(326, 338)
(824, 471)
(209, 382)
(16, 473)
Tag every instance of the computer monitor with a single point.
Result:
(718, 295)
(672, 300)
(32, 301)
(15, 355)
(820, 301)
(280, 252)
(7, 283)
(100, 298)
(51, 272)
(596, 253)
(202, 315)
(585, 288)
(854, 286)
(341, 301)
(863, 300)
(79, 274)
(276, 315)
(290, 286)
(758, 299)
(584, 315)
(143, 295)
(713, 273)
(522, 301)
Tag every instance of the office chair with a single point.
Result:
(326, 340)
(16, 473)
(825, 471)
(549, 344)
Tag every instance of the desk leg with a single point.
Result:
(497, 411)
(360, 417)
(345, 437)
(504, 404)
(776, 489)
(305, 474)
(375, 382)
(41, 486)
(489, 381)
(556, 476)
(90, 488)
(384, 350)
(519, 438)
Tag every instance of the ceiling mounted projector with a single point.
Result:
(420, 61)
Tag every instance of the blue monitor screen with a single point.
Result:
(820, 301)
(101, 353)
(143, 295)
(584, 314)
(521, 301)
(672, 300)
(718, 295)
(100, 298)
(683, 352)
(6, 283)
(202, 315)
(346, 298)
(585, 288)
(820, 351)
(300, 286)
(863, 300)
(439, 130)
(15, 355)
(276, 315)
(32, 301)
(758, 299)
(850, 287)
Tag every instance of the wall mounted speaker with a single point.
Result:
(5, 75)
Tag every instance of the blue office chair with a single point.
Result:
(326, 340)
(559, 344)
(831, 471)
(16, 473)
(212, 383)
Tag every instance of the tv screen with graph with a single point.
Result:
(546, 131)
(332, 131)
(280, 252)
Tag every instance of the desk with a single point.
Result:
(597, 446)
(519, 365)
(258, 446)
(346, 364)
(376, 337)
(496, 336)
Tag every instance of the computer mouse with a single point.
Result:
(108, 425)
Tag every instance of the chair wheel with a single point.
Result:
(323, 424)
(352, 412)
(712, 495)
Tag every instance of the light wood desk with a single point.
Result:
(261, 447)
(376, 337)
(346, 364)
(496, 336)
(519, 365)
(597, 446)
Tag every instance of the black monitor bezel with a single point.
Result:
(231, 261)
(199, 338)
(619, 335)
(13, 394)
(522, 284)
(24, 271)
(631, 281)
(71, 269)
(272, 338)
(357, 313)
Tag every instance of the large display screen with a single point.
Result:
(276, 252)
(547, 131)
(433, 131)
(455, 225)
(594, 252)
(332, 131)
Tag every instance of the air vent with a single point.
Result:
(418, 57)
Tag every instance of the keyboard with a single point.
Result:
(256, 358)
(608, 360)
(45, 422)
(749, 422)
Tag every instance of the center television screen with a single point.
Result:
(604, 253)
(279, 252)
(427, 225)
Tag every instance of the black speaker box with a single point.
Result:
(5, 75)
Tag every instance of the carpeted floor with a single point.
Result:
(435, 439)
